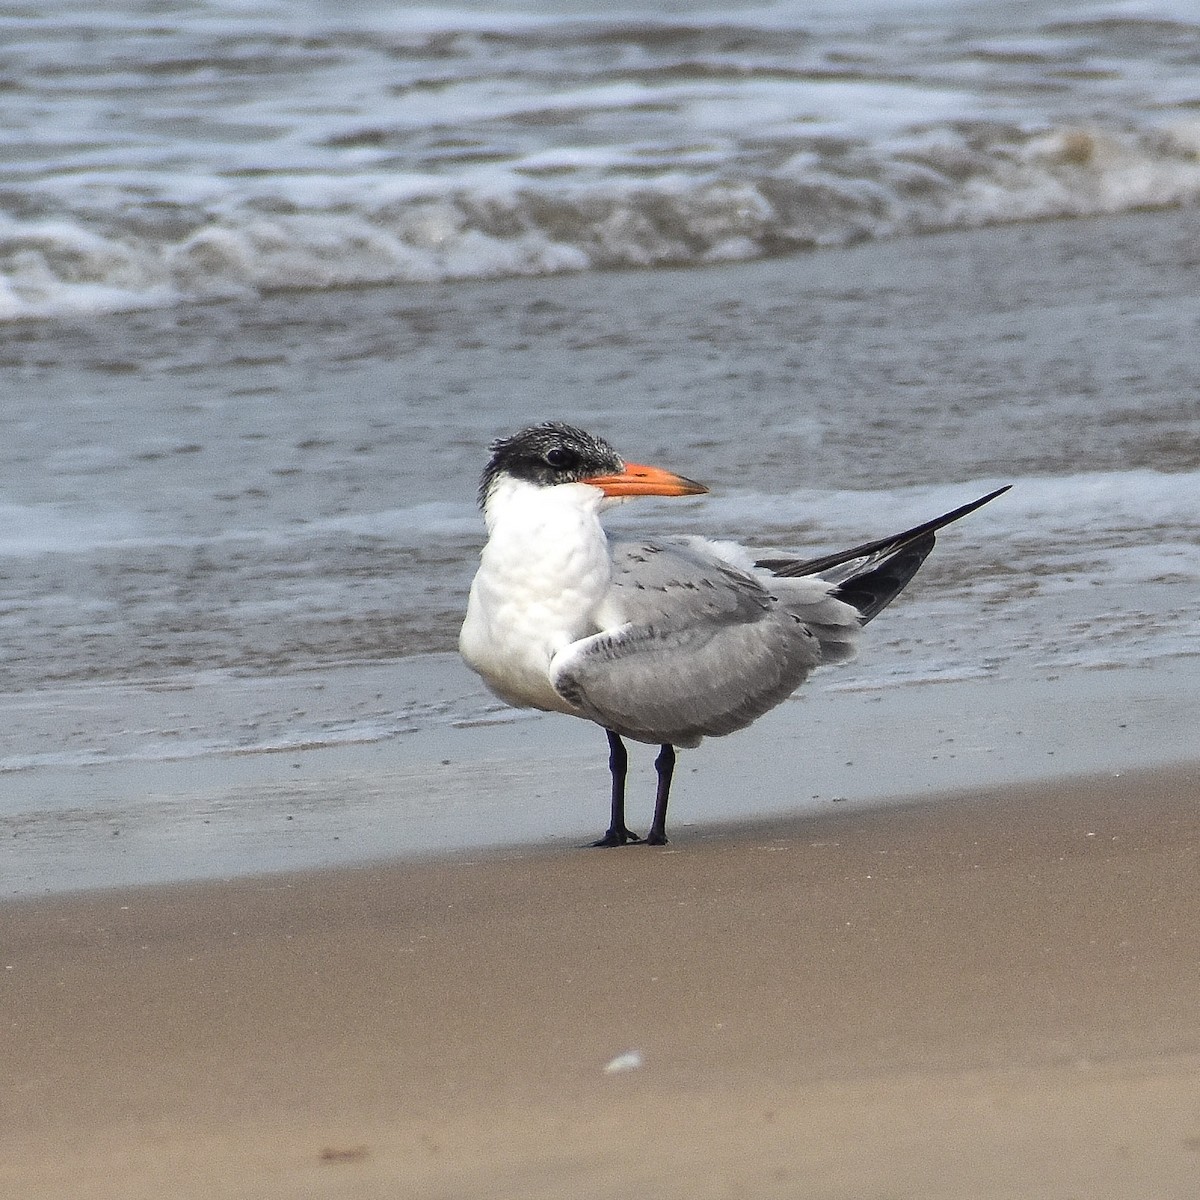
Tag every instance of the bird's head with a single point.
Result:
(552, 454)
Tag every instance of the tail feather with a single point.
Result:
(872, 575)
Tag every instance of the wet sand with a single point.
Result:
(541, 781)
(993, 995)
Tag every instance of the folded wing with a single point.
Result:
(692, 646)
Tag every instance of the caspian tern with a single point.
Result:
(663, 640)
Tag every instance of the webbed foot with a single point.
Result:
(617, 836)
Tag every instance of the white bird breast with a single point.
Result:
(541, 578)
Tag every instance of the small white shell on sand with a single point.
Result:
(629, 1061)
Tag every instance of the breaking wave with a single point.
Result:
(391, 232)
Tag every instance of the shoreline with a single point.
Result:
(540, 781)
(207, 725)
(993, 995)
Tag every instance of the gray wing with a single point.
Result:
(696, 647)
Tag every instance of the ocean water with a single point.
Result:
(217, 495)
(272, 276)
(157, 152)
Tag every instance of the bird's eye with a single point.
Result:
(559, 459)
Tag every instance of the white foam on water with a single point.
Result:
(27, 530)
(1152, 514)
(1062, 515)
(318, 148)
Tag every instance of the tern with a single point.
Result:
(661, 640)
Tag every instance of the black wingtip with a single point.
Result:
(893, 561)
(970, 508)
(873, 590)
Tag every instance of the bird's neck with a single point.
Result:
(511, 502)
(549, 539)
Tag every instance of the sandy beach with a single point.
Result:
(993, 995)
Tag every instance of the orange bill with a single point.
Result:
(639, 480)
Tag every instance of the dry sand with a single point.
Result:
(997, 995)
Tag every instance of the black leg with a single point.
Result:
(664, 764)
(618, 763)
